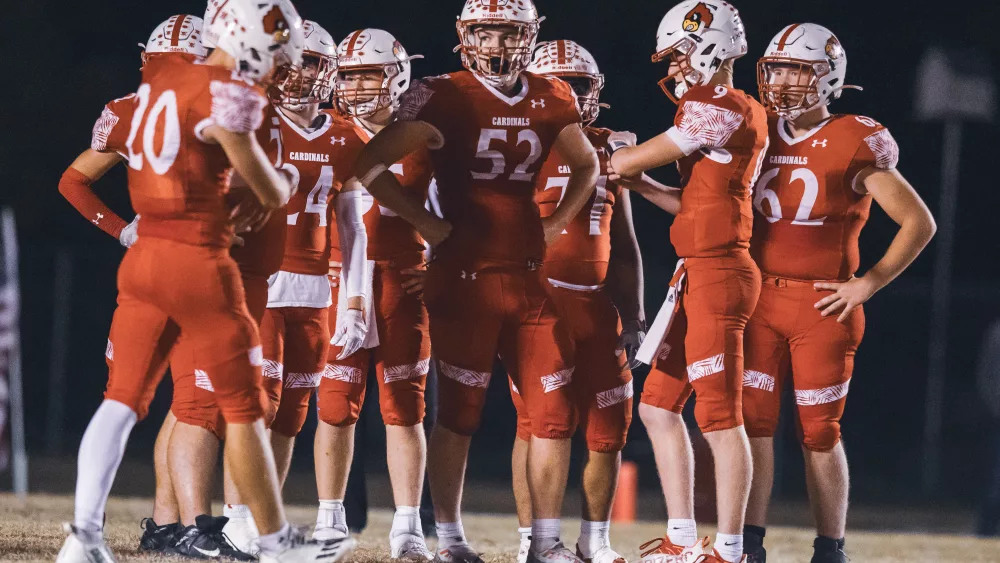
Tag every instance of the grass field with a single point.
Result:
(32, 532)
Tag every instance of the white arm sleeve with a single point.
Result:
(353, 244)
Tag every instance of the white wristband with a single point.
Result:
(370, 176)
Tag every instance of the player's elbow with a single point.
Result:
(276, 194)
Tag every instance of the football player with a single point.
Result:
(178, 36)
(197, 123)
(373, 71)
(294, 331)
(491, 128)
(592, 271)
(718, 140)
(812, 198)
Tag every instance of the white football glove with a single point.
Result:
(130, 233)
(633, 333)
(351, 334)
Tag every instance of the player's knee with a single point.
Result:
(820, 436)
(205, 417)
(523, 428)
(409, 412)
(759, 425)
(716, 415)
(463, 421)
(659, 420)
(292, 412)
(337, 409)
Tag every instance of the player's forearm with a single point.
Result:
(390, 194)
(626, 284)
(665, 197)
(658, 151)
(75, 187)
(354, 276)
(913, 235)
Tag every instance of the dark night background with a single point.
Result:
(63, 60)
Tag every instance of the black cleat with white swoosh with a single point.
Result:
(205, 540)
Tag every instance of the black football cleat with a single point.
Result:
(156, 538)
(205, 540)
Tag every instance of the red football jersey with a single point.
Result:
(324, 158)
(810, 209)
(494, 147)
(727, 131)
(263, 251)
(111, 130)
(178, 182)
(580, 255)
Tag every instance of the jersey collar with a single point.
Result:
(307, 134)
(789, 140)
(511, 101)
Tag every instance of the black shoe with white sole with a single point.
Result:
(156, 538)
(205, 540)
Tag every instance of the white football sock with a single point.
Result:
(729, 546)
(525, 533)
(449, 534)
(544, 533)
(276, 542)
(682, 531)
(406, 520)
(593, 536)
(233, 511)
(101, 451)
(331, 514)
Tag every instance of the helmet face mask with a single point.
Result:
(363, 91)
(789, 87)
(497, 51)
(588, 93)
(680, 74)
(310, 83)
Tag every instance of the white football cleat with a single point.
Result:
(409, 547)
(458, 553)
(242, 533)
(78, 549)
(329, 533)
(558, 553)
(297, 549)
(603, 555)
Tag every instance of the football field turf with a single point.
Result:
(33, 533)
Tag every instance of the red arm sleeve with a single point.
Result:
(75, 187)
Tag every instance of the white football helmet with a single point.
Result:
(699, 37)
(312, 81)
(178, 34)
(370, 51)
(502, 65)
(259, 34)
(572, 63)
(812, 57)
